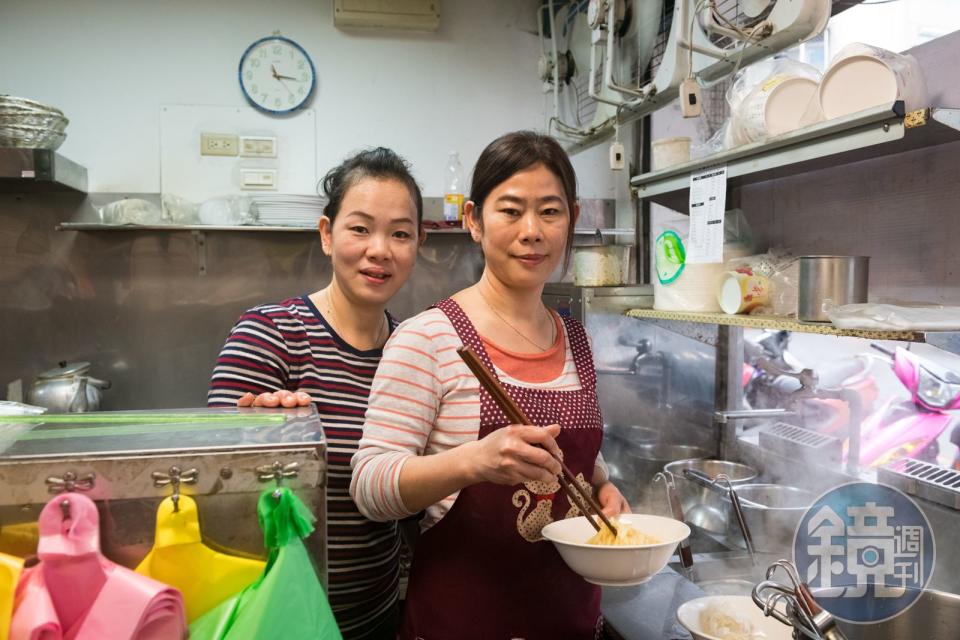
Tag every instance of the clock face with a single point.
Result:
(276, 75)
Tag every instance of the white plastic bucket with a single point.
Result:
(667, 152)
(861, 77)
(776, 106)
(694, 290)
(601, 266)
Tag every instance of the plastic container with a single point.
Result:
(453, 187)
(667, 152)
(862, 76)
(601, 266)
(777, 106)
(743, 291)
(683, 286)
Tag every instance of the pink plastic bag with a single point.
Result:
(77, 594)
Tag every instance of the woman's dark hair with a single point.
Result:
(515, 152)
(380, 163)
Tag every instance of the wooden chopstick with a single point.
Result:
(515, 415)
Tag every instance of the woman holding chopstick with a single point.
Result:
(435, 441)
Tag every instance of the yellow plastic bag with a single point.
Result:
(179, 558)
(19, 539)
(10, 567)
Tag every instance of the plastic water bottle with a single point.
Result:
(453, 186)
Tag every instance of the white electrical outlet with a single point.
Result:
(218, 144)
(258, 179)
(258, 146)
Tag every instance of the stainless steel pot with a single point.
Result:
(772, 513)
(701, 506)
(630, 434)
(649, 459)
(619, 444)
(934, 616)
(68, 389)
(836, 280)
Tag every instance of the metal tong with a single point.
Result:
(794, 604)
(580, 497)
(713, 484)
(686, 555)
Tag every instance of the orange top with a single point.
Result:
(533, 368)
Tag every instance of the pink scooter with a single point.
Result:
(912, 428)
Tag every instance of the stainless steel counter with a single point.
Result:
(649, 611)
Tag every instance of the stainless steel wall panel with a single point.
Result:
(135, 305)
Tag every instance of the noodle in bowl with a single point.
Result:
(729, 618)
(617, 565)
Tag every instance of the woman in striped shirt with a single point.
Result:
(435, 441)
(324, 348)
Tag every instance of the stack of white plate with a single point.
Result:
(29, 124)
(289, 210)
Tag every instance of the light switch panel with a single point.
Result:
(258, 179)
(258, 146)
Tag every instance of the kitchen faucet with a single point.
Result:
(727, 421)
(645, 357)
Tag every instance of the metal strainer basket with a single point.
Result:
(26, 123)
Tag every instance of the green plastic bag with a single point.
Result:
(287, 602)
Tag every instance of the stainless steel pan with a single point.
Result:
(772, 513)
(702, 506)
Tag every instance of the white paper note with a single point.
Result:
(708, 200)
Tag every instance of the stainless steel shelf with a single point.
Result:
(99, 226)
(96, 226)
(946, 340)
(605, 232)
(869, 134)
(39, 170)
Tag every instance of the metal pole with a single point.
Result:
(728, 392)
(643, 239)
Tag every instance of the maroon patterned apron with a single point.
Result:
(483, 571)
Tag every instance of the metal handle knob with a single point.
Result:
(69, 482)
(277, 471)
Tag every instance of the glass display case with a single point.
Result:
(127, 462)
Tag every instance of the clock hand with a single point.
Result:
(284, 85)
(273, 71)
(281, 77)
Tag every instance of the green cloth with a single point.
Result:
(287, 602)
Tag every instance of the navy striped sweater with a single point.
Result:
(290, 346)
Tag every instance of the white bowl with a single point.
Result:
(616, 566)
(740, 606)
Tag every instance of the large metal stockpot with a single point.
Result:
(772, 513)
(649, 459)
(702, 506)
(831, 281)
(619, 443)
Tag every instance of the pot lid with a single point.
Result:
(65, 369)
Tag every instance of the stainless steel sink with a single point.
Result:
(934, 616)
(726, 572)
